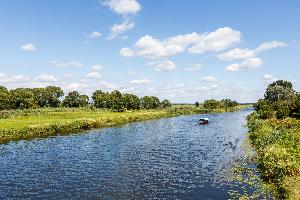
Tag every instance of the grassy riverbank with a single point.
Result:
(26, 124)
(277, 143)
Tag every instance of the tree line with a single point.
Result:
(215, 104)
(52, 97)
(280, 101)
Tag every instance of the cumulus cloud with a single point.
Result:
(126, 52)
(123, 7)
(208, 78)
(118, 29)
(166, 65)
(269, 78)
(94, 34)
(193, 68)
(45, 78)
(140, 82)
(237, 53)
(220, 39)
(94, 75)
(248, 64)
(97, 67)
(28, 47)
(66, 64)
(95, 72)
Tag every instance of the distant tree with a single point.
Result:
(117, 101)
(131, 102)
(228, 103)
(48, 97)
(211, 104)
(23, 98)
(53, 96)
(197, 104)
(101, 99)
(279, 90)
(166, 103)
(40, 96)
(83, 100)
(5, 99)
(75, 100)
(150, 102)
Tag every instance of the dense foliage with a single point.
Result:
(274, 132)
(281, 100)
(223, 104)
(51, 97)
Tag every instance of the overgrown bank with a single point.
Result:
(274, 132)
(27, 124)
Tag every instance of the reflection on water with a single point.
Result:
(173, 158)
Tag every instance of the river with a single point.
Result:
(171, 158)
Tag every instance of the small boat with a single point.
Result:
(203, 120)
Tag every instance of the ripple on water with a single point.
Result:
(173, 158)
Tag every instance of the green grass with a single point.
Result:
(277, 143)
(27, 124)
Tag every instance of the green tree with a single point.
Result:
(117, 100)
(211, 104)
(166, 103)
(101, 99)
(131, 102)
(283, 109)
(53, 95)
(264, 109)
(279, 90)
(83, 100)
(48, 97)
(5, 99)
(23, 98)
(150, 102)
(197, 104)
(75, 100)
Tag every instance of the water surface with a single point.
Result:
(173, 158)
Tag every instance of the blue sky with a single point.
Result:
(185, 51)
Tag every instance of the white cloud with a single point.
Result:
(118, 29)
(123, 7)
(270, 45)
(97, 67)
(237, 53)
(95, 72)
(94, 34)
(152, 48)
(269, 78)
(126, 52)
(45, 78)
(28, 47)
(94, 75)
(248, 64)
(139, 82)
(208, 78)
(73, 86)
(193, 68)
(218, 40)
(166, 65)
(66, 64)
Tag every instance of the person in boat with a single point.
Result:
(203, 120)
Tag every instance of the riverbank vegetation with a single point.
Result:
(274, 131)
(39, 112)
